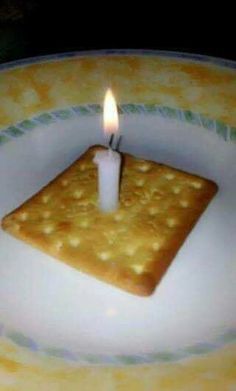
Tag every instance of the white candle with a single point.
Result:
(108, 179)
(109, 161)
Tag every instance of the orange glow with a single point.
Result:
(110, 113)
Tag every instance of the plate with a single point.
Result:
(171, 112)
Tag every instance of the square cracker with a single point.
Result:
(130, 248)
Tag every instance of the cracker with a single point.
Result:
(131, 247)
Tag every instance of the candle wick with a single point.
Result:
(111, 141)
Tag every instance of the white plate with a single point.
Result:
(48, 306)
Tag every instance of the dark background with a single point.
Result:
(34, 27)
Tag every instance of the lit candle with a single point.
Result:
(108, 161)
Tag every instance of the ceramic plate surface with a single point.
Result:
(169, 112)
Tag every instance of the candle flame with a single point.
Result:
(110, 113)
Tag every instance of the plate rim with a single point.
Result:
(165, 356)
(201, 58)
(220, 129)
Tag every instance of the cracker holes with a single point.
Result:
(83, 203)
(144, 201)
(58, 245)
(74, 241)
(196, 185)
(46, 198)
(138, 269)
(140, 182)
(156, 246)
(128, 202)
(48, 229)
(46, 214)
(77, 193)
(84, 223)
(23, 216)
(153, 211)
(157, 194)
(169, 176)
(64, 182)
(118, 217)
(104, 255)
(184, 203)
(171, 222)
(144, 167)
(130, 251)
(176, 189)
